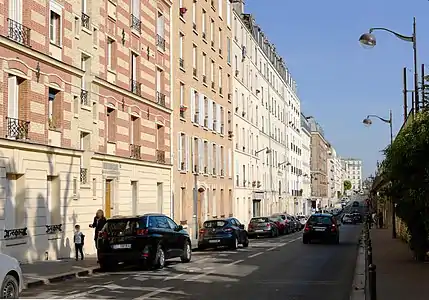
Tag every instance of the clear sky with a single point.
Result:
(339, 82)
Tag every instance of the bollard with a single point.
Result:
(369, 252)
(372, 279)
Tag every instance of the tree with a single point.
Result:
(347, 185)
(406, 167)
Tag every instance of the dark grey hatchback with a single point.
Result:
(227, 232)
(149, 239)
(321, 227)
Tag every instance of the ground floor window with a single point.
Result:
(256, 208)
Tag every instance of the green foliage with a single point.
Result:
(347, 185)
(407, 168)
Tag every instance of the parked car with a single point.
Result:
(357, 217)
(302, 220)
(149, 239)
(347, 219)
(262, 226)
(10, 277)
(281, 223)
(297, 222)
(289, 225)
(321, 227)
(227, 232)
(355, 204)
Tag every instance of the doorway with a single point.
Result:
(108, 198)
(200, 210)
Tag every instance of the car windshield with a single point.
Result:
(214, 224)
(259, 220)
(325, 220)
(123, 226)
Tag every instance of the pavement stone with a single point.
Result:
(399, 276)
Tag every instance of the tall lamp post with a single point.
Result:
(367, 121)
(368, 39)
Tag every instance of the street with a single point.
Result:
(273, 268)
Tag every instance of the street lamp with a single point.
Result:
(368, 40)
(268, 150)
(367, 121)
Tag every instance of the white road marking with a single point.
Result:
(199, 276)
(84, 294)
(256, 254)
(174, 277)
(154, 293)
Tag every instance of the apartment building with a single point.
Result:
(86, 103)
(335, 176)
(305, 158)
(353, 172)
(263, 91)
(203, 125)
(319, 165)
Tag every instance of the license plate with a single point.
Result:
(121, 246)
(214, 241)
(259, 230)
(319, 229)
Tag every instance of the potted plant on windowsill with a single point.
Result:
(183, 108)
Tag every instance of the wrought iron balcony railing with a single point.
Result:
(136, 87)
(85, 20)
(17, 129)
(160, 42)
(160, 98)
(18, 32)
(136, 23)
(135, 151)
(84, 99)
(52, 229)
(83, 175)
(160, 156)
(15, 233)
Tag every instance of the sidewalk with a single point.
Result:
(48, 271)
(399, 276)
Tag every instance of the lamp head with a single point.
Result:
(367, 122)
(367, 40)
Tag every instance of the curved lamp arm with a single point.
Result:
(398, 35)
(380, 118)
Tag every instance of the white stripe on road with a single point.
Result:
(154, 293)
(197, 277)
(256, 254)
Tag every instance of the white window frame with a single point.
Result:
(56, 9)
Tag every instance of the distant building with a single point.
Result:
(353, 172)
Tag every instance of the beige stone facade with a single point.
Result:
(319, 165)
(85, 95)
(202, 118)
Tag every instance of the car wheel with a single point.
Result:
(234, 246)
(246, 242)
(187, 253)
(201, 248)
(9, 288)
(106, 266)
(159, 261)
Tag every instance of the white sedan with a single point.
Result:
(11, 278)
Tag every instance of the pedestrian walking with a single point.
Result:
(98, 224)
(79, 240)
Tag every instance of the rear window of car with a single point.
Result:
(214, 224)
(325, 220)
(275, 219)
(283, 217)
(124, 226)
(259, 220)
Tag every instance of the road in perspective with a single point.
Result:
(271, 268)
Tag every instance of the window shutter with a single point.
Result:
(160, 25)
(228, 13)
(210, 113)
(237, 170)
(201, 110)
(186, 160)
(225, 163)
(179, 154)
(192, 160)
(220, 8)
(192, 104)
(210, 153)
(217, 118)
(200, 156)
(229, 162)
(136, 8)
(219, 163)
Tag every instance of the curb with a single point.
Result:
(60, 277)
(359, 279)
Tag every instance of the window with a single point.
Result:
(182, 94)
(194, 57)
(55, 28)
(228, 50)
(220, 78)
(220, 40)
(182, 154)
(158, 80)
(135, 8)
(160, 137)
(135, 130)
(181, 39)
(203, 21)
(160, 25)
(110, 53)
(133, 66)
(194, 12)
(54, 109)
(212, 31)
(204, 64)
(220, 8)
(228, 13)
(212, 71)
(111, 124)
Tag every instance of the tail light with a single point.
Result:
(250, 226)
(142, 232)
(102, 234)
(202, 231)
(306, 228)
(228, 230)
(268, 225)
(333, 228)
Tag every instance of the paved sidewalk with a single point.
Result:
(45, 272)
(399, 276)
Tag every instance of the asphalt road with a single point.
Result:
(277, 268)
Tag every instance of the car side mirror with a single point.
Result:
(179, 228)
(241, 226)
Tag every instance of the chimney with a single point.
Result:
(238, 6)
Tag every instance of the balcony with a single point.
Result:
(84, 99)
(214, 171)
(204, 79)
(196, 118)
(182, 114)
(17, 129)
(222, 172)
(213, 85)
(135, 151)
(220, 90)
(194, 72)
(135, 87)
(181, 63)
(18, 32)
(160, 42)
(83, 175)
(136, 24)
(85, 20)
(160, 156)
(204, 35)
(160, 98)
(222, 128)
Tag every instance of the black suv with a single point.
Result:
(149, 240)
(323, 227)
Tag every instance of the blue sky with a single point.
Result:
(339, 82)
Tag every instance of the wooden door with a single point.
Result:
(108, 199)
